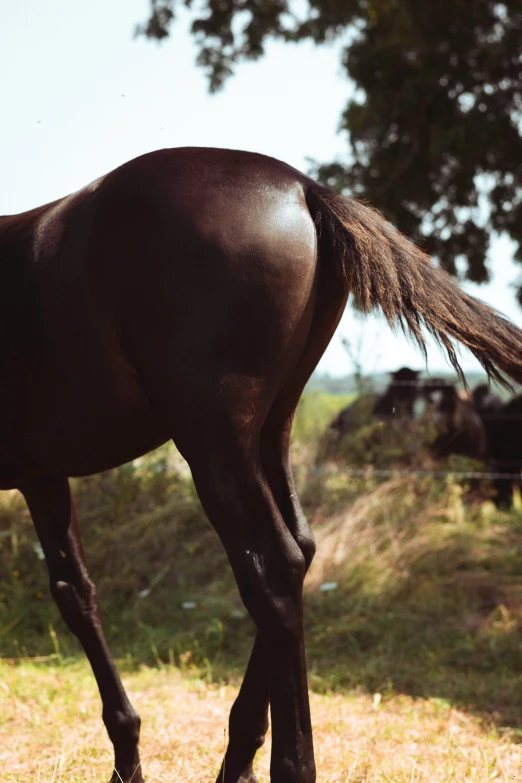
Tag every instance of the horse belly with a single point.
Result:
(92, 430)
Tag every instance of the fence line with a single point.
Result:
(439, 381)
(392, 473)
(423, 381)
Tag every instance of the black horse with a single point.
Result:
(189, 294)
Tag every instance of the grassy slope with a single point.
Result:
(428, 602)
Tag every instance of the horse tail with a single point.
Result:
(382, 268)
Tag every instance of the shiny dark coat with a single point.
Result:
(189, 294)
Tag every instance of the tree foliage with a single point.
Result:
(435, 124)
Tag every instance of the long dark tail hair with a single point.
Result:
(384, 269)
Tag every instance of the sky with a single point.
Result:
(81, 95)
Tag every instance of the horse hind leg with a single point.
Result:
(52, 509)
(269, 569)
(248, 722)
(249, 715)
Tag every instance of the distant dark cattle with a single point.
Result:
(399, 398)
(460, 428)
(459, 424)
(498, 439)
(486, 403)
(503, 426)
(396, 402)
(478, 425)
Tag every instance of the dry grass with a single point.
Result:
(52, 732)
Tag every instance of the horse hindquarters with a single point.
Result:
(223, 369)
(248, 718)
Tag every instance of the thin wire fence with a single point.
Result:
(370, 471)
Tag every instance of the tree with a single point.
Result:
(436, 124)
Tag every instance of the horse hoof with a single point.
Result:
(132, 777)
(249, 778)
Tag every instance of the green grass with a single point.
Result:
(315, 412)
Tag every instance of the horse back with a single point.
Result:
(177, 255)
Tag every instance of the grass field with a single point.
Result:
(415, 661)
(52, 732)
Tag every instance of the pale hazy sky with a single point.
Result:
(80, 96)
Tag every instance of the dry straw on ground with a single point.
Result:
(52, 733)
